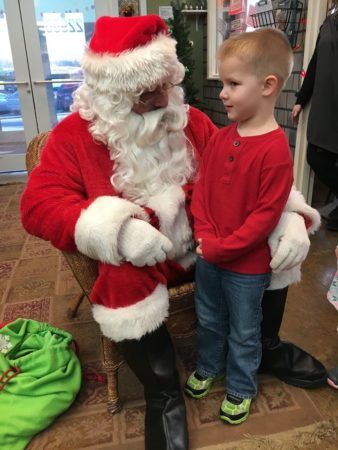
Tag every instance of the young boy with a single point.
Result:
(244, 181)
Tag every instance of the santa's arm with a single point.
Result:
(289, 242)
(199, 131)
(54, 196)
(55, 206)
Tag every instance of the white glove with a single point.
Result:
(289, 242)
(142, 245)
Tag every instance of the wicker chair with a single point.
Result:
(182, 319)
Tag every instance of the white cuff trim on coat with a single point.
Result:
(296, 203)
(187, 261)
(133, 322)
(285, 278)
(98, 226)
(169, 207)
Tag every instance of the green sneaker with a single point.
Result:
(235, 414)
(199, 388)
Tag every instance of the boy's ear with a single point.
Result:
(270, 85)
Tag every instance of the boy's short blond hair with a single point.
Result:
(266, 50)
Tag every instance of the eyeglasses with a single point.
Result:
(146, 98)
(169, 85)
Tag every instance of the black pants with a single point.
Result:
(152, 359)
(325, 165)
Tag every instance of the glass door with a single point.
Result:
(42, 42)
(16, 100)
(56, 34)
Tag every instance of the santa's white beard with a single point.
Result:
(151, 152)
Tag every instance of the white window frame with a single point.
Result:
(212, 70)
(10, 161)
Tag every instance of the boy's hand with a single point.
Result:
(199, 247)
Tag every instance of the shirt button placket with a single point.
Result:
(236, 143)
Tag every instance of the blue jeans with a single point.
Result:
(229, 312)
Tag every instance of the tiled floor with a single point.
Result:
(35, 282)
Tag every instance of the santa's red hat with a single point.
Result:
(130, 54)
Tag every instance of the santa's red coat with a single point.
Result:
(73, 180)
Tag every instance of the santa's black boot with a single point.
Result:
(152, 359)
(285, 360)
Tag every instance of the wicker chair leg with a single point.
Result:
(74, 306)
(114, 404)
(111, 362)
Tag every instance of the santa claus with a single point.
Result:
(115, 182)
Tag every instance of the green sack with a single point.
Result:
(39, 379)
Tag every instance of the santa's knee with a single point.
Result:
(132, 316)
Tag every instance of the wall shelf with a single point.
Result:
(194, 11)
(197, 12)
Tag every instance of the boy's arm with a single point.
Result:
(276, 182)
(55, 205)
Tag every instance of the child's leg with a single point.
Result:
(244, 296)
(212, 325)
(212, 329)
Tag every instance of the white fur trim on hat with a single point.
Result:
(133, 322)
(136, 69)
(98, 226)
(296, 203)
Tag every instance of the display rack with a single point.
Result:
(286, 18)
(197, 12)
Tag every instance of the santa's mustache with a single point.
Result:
(149, 128)
(114, 123)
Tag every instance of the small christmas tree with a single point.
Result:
(179, 30)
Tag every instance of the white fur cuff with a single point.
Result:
(285, 278)
(169, 207)
(296, 203)
(98, 226)
(133, 322)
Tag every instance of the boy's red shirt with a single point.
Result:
(241, 190)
